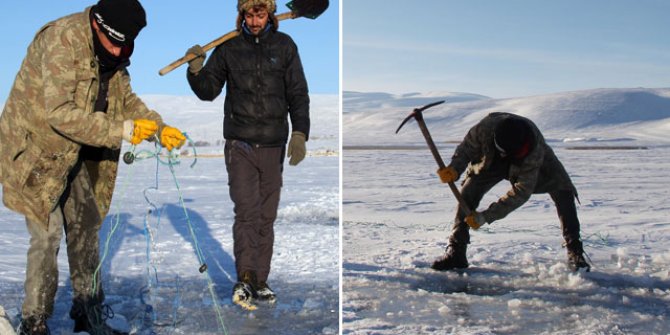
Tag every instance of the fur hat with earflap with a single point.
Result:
(245, 5)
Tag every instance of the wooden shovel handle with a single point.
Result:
(213, 44)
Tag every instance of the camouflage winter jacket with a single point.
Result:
(49, 116)
(539, 172)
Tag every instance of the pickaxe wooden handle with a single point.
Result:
(299, 8)
(417, 114)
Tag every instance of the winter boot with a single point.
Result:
(90, 316)
(265, 293)
(34, 325)
(454, 258)
(576, 259)
(243, 291)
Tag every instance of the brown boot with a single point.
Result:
(34, 325)
(243, 291)
(454, 258)
(90, 316)
(265, 293)
(576, 258)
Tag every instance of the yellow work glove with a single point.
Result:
(171, 138)
(475, 220)
(447, 174)
(136, 131)
(296, 148)
(196, 64)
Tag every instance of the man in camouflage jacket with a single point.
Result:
(508, 146)
(61, 132)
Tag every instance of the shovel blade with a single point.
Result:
(308, 8)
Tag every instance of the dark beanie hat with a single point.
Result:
(511, 134)
(120, 20)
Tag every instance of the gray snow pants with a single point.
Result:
(255, 181)
(474, 188)
(77, 214)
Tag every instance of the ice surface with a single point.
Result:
(166, 294)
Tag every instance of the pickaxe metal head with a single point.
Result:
(417, 113)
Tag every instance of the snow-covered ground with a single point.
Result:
(175, 298)
(397, 218)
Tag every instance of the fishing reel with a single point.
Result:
(129, 157)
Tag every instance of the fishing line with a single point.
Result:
(172, 159)
(170, 163)
(203, 266)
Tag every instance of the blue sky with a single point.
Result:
(504, 48)
(173, 27)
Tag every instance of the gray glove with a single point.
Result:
(296, 148)
(195, 64)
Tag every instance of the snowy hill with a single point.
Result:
(203, 120)
(354, 101)
(600, 115)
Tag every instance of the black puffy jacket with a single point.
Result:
(265, 84)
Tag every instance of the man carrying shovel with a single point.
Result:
(265, 87)
(508, 146)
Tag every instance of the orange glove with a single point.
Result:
(447, 174)
(475, 220)
(136, 131)
(172, 138)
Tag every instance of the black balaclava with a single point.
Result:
(512, 136)
(107, 61)
(121, 22)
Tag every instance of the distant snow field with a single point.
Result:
(397, 218)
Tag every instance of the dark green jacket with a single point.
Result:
(539, 172)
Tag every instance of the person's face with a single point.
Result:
(256, 19)
(106, 43)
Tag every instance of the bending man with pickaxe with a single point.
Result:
(502, 146)
(508, 146)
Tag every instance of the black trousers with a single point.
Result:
(255, 181)
(475, 186)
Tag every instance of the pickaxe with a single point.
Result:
(418, 115)
(299, 8)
